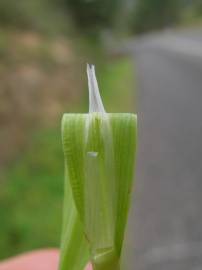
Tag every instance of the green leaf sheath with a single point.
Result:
(74, 250)
(124, 128)
(99, 151)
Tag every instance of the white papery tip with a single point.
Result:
(95, 101)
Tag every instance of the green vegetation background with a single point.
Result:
(31, 178)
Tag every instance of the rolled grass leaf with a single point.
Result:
(74, 249)
(99, 150)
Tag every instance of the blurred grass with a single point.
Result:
(45, 16)
(190, 18)
(31, 193)
(31, 196)
(38, 79)
(116, 85)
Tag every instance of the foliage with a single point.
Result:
(95, 14)
(117, 80)
(31, 196)
(47, 16)
(191, 14)
(150, 15)
(38, 80)
(198, 7)
(52, 16)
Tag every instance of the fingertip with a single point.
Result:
(89, 267)
(46, 259)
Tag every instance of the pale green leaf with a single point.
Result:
(99, 154)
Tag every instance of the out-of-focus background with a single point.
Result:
(148, 57)
(44, 48)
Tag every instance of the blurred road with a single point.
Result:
(167, 214)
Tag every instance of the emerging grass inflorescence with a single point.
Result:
(99, 150)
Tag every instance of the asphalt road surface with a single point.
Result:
(166, 219)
